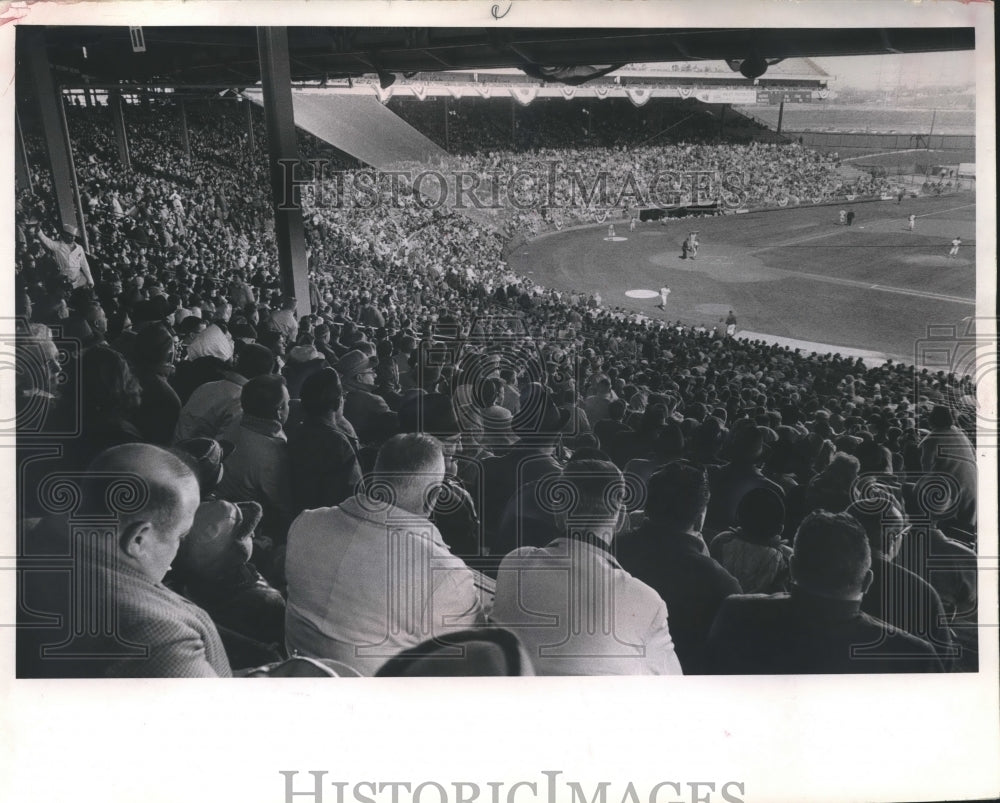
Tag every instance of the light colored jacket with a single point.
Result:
(212, 408)
(578, 612)
(368, 580)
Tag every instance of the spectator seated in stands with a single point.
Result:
(258, 467)
(368, 412)
(947, 450)
(109, 398)
(610, 429)
(372, 577)
(511, 514)
(819, 627)
(153, 362)
(668, 553)
(542, 592)
(754, 552)
(322, 460)
(667, 446)
(832, 489)
(302, 360)
(896, 595)
(151, 631)
(731, 482)
(214, 571)
(454, 512)
(214, 406)
(284, 320)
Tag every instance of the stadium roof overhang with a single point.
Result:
(227, 56)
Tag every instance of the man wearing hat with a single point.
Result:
(537, 426)
(213, 570)
(69, 256)
(213, 406)
(368, 412)
(284, 319)
(741, 474)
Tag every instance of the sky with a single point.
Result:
(907, 70)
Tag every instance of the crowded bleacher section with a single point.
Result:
(440, 444)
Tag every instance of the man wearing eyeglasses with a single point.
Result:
(896, 595)
(368, 412)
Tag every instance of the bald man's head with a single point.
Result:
(151, 524)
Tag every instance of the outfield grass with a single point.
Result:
(791, 273)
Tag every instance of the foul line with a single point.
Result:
(942, 211)
(796, 241)
(903, 291)
(883, 153)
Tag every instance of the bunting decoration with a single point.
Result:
(383, 94)
(568, 92)
(456, 91)
(485, 91)
(419, 90)
(601, 92)
(638, 95)
(685, 91)
(524, 94)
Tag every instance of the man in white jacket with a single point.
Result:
(574, 607)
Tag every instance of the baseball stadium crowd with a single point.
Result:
(440, 452)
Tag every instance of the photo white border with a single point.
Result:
(790, 738)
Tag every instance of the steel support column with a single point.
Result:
(81, 222)
(279, 119)
(185, 139)
(781, 115)
(51, 113)
(446, 139)
(22, 171)
(121, 133)
(251, 140)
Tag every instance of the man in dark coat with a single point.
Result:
(668, 553)
(323, 464)
(896, 595)
(368, 412)
(819, 627)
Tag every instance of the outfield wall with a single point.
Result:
(859, 144)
